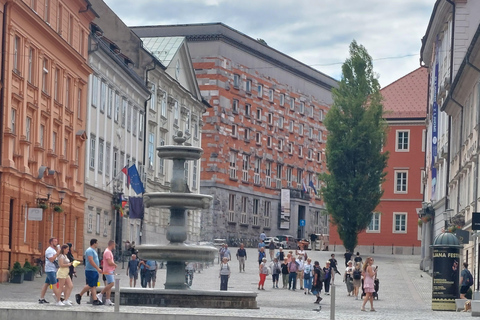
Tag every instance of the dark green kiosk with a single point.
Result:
(446, 270)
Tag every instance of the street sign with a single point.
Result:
(476, 221)
(301, 223)
(35, 214)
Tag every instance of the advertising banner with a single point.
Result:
(285, 209)
(446, 267)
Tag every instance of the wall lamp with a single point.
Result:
(49, 193)
(61, 195)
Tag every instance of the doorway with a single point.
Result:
(301, 222)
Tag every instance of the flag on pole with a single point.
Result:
(125, 170)
(304, 186)
(135, 180)
(312, 185)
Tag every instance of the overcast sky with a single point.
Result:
(315, 32)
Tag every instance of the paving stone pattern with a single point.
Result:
(405, 293)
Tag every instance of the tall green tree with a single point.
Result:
(356, 135)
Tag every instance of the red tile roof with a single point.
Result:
(407, 96)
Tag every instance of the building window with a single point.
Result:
(290, 125)
(374, 226)
(56, 84)
(235, 106)
(280, 145)
(54, 142)
(153, 96)
(282, 99)
(47, 11)
(256, 170)
(401, 181)
(270, 95)
(399, 222)
(16, 55)
(300, 129)
(302, 107)
(310, 133)
(402, 140)
(279, 176)
(79, 103)
(289, 177)
(117, 108)
(151, 148)
(105, 224)
(92, 152)
(124, 112)
(256, 204)
(103, 96)
(270, 118)
(236, 81)
(90, 220)
(292, 104)
(258, 138)
(310, 154)
(97, 226)
(231, 207)
(140, 125)
(45, 76)
(110, 102)
(100, 155)
(299, 177)
(267, 214)
(319, 156)
(243, 215)
(248, 86)
(290, 148)
(234, 130)
(194, 174)
(67, 93)
(28, 128)
(300, 151)
(259, 91)
(246, 134)
(175, 113)
(268, 174)
(31, 65)
(233, 165)
(163, 112)
(248, 110)
(259, 114)
(269, 142)
(107, 159)
(280, 122)
(320, 115)
(245, 167)
(42, 135)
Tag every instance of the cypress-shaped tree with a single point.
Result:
(354, 157)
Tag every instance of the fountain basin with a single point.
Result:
(177, 200)
(180, 152)
(177, 252)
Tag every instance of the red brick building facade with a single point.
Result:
(395, 227)
(263, 133)
(43, 98)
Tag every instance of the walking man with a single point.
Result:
(51, 255)
(132, 270)
(241, 257)
(466, 280)
(108, 270)
(92, 270)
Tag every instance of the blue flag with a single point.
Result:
(135, 181)
(136, 207)
(312, 186)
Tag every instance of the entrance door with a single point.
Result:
(301, 222)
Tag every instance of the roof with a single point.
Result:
(163, 48)
(407, 97)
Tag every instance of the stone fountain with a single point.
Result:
(177, 253)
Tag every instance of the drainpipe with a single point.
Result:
(145, 133)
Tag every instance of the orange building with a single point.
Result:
(395, 225)
(44, 76)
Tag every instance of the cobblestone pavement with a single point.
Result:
(405, 293)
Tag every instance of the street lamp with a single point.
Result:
(49, 193)
(61, 195)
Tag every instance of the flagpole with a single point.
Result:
(115, 177)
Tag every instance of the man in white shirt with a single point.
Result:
(51, 255)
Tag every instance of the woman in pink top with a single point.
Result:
(368, 283)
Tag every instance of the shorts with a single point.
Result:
(51, 277)
(133, 275)
(109, 278)
(464, 289)
(91, 278)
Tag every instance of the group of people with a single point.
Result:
(60, 268)
(148, 272)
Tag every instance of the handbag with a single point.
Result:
(55, 263)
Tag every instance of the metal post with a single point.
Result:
(117, 295)
(332, 302)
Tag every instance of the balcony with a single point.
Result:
(299, 194)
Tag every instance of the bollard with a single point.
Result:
(332, 302)
(117, 295)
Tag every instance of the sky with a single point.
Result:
(315, 32)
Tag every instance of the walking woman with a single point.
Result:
(368, 283)
(224, 274)
(357, 279)
(263, 270)
(63, 275)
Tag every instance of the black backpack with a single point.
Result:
(469, 278)
(357, 274)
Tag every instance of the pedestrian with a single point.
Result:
(224, 274)
(92, 270)
(263, 272)
(241, 257)
(284, 266)
(301, 264)
(132, 270)
(51, 255)
(466, 280)
(357, 279)
(261, 255)
(263, 236)
(307, 276)
(261, 245)
(369, 275)
(313, 241)
(276, 268)
(151, 267)
(301, 252)
(348, 278)
(143, 273)
(280, 254)
(328, 277)
(71, 271)
(109, 267)
(333, 265)
(357, 258)
(317, 281)
(348, 257)
(271, 249)
(292, 274)
(226, 253)
(189, 272)
(64, 281)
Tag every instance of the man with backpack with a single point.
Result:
(466, 280)
(318, 278)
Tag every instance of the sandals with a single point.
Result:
(373, 310)
(363, 309)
